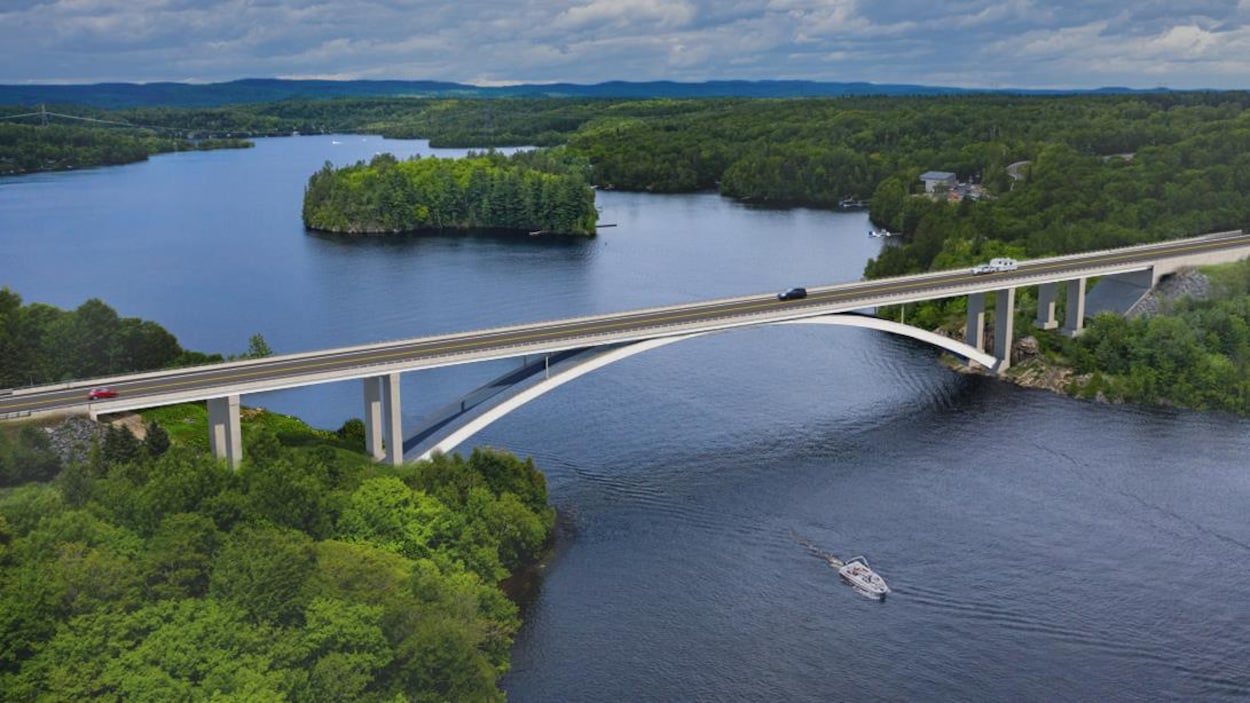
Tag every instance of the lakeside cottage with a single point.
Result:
(945, 185)
(935, 181)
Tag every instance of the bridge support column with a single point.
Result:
(1074, 310)
(1004, 326)
(225, 435)
(975, 334)
(373, 418)
(384, 437)
(1047, 293)
(394, 421)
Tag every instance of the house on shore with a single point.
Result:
(938, 181)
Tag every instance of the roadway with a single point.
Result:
(158, 388)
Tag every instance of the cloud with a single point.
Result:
(1024, 43)
(619, 14)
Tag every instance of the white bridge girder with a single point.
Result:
(592, 360)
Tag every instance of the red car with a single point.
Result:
(101, 393)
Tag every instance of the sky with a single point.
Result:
(961, 43)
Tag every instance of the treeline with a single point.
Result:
(1174, 168)
(816, 151)
(1196, 355)
(1069, 201)
(43, 344)
(445, 122)
(528, 191)
(31, 148)
(146, 572)
(812, 151)
(801, 150)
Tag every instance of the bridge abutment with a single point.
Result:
(225, 433)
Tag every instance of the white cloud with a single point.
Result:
(1024, 43)
(626, 13)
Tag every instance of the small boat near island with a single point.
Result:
(878, 233)
(856, 572)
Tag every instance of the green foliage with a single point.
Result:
(257, 347)
(1100, 176)
(262, 571)
(292, 491)
(387, 513)
(171, 650)
(27, 456)
(120, 445)
(809, 150)
(309, 574)
(346, 646)
(179, 557)
(27, 148)
(156, 440)
(42, 344)
(1196, 356)
(25, 506)
(353, 432)
(528, 192)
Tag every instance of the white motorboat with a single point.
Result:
(857, 573)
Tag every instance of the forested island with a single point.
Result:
(536, 192)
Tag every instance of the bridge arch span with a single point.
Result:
(598, 358)
(872, 322)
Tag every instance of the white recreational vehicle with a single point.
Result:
(996, 265)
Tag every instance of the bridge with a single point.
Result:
(555, 352)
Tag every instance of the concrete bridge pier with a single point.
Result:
(1004, 327)
(225, 435)
(1074, 310)
(1004, 323)
(1047, 294)
(383, 422)
(974, 335)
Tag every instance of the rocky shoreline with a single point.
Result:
(1032, 369)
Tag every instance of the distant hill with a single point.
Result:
(263, 90)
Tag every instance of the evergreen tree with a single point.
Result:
(156, 439)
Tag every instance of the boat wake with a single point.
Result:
(854, 571)
(816, 550)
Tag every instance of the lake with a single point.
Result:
(1039, 547)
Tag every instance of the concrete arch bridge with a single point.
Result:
(555, 352)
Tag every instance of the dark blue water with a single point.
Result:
(1040, 548)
